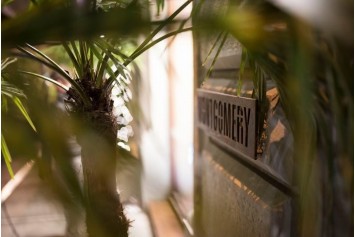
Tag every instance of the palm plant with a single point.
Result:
(310, 68)
(97, 93)
(91, 103)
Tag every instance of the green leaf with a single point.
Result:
(157, 30)
(6, 62)
(60, 21)
(78, 58)
(72, 57)
(4, 106)
(241, 70)
(212, 48)
(83, 53)
(120, 70)
(7, 157)
(151, 44)
(91, 57)
(106, 46)
(58, 68)
(100, 60)
(217, 54)
(20, 106)
(160, 5)
(10, 90)
(51, 64)
(103, 66)
(6, 2)
(46, 79)
(195, 10)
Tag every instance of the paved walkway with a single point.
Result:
(31, 211)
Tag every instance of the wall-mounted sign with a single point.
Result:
(228, 118)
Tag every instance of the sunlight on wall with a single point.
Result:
(167, 145)
(181, 116)
(154, 145)
(181, 82)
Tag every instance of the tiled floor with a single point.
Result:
(33, 213)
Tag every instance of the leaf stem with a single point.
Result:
(143, 49)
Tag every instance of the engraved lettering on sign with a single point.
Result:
(229, 118)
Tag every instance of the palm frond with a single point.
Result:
(45, 78)
(103, 63)
(96, 52)
(121, 71)
(212, 48)
(102, 67)
(225, 35)
(10, 90)
(13, 93)
(106, 46)
(83, 53)
(195, 10)
(78, 58)
(53, 65)
(136, 53)
(7, 61)
(64, 20)
(20, 106)
(73, 58)
(242, 67)
(120, 68)
(157, 30)
(160, 5)
(7, 156)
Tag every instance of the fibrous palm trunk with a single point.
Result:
(104, 211)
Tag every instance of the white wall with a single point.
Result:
(155, 147)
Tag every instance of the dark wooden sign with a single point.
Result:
(228, 118)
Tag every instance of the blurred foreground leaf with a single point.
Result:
(55, 21)
(7, 157)
(20, 106)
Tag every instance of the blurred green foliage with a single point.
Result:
(311, 63)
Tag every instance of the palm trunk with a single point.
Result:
(104, 211)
